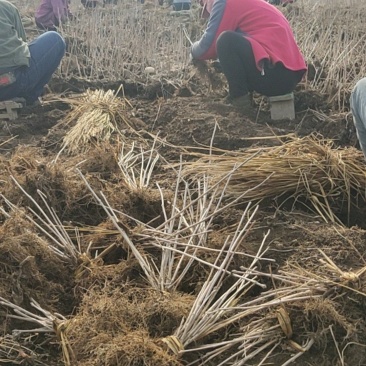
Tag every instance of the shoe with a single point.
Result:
(20, 100)
(242, 104)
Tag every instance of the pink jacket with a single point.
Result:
(52, 12)
(261, 23)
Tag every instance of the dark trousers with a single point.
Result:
(181, 6)
(46, 29)
(238, 64)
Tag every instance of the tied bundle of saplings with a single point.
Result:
(96, 116)
(307, 168)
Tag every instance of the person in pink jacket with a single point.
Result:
(255, 46)
(51, 13)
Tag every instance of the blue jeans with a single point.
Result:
(46, 53)
(358, 107)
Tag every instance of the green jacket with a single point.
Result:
(14, 50)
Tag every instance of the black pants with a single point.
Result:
(46, 29)
(238, 64)
(181, 6)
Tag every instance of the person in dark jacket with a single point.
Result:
(255, 46)
(25, 68)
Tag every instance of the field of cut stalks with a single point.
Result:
(143, 222)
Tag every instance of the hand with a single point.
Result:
(217, 66)
(196, 62)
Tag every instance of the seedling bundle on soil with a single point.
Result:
(122, 244)
(95, 116)
(300, 168)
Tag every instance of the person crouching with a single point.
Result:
(25, 68)
(51, 13)
(255, 46)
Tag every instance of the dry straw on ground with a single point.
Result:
(301, 168)
(13, 353)
(51, 324)
(121, 325)
(122, 40)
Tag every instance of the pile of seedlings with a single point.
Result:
(307, 168)
(197, 282)
(115, 252)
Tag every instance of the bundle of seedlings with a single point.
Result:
(14, 353)
(51, 324)
(95, 116)
(181, 239)
(29, 267)
(305, 307)
(56, 235)
(214, 302)
(300, 168)
(49, 224)
(260, 326)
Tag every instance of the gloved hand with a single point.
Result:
(216, 65)
(195, 62)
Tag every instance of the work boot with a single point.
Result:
(243, 105)
(20, 100)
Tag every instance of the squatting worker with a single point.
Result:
(25, 68)
(255, 46)
(51, 13)
(358, 107)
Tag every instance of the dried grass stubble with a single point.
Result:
(332, 46)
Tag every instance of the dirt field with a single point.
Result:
(108, 259)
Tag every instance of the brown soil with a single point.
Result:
(113, 316)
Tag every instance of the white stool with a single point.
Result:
(282, 107)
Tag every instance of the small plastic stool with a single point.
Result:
(282, 107)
